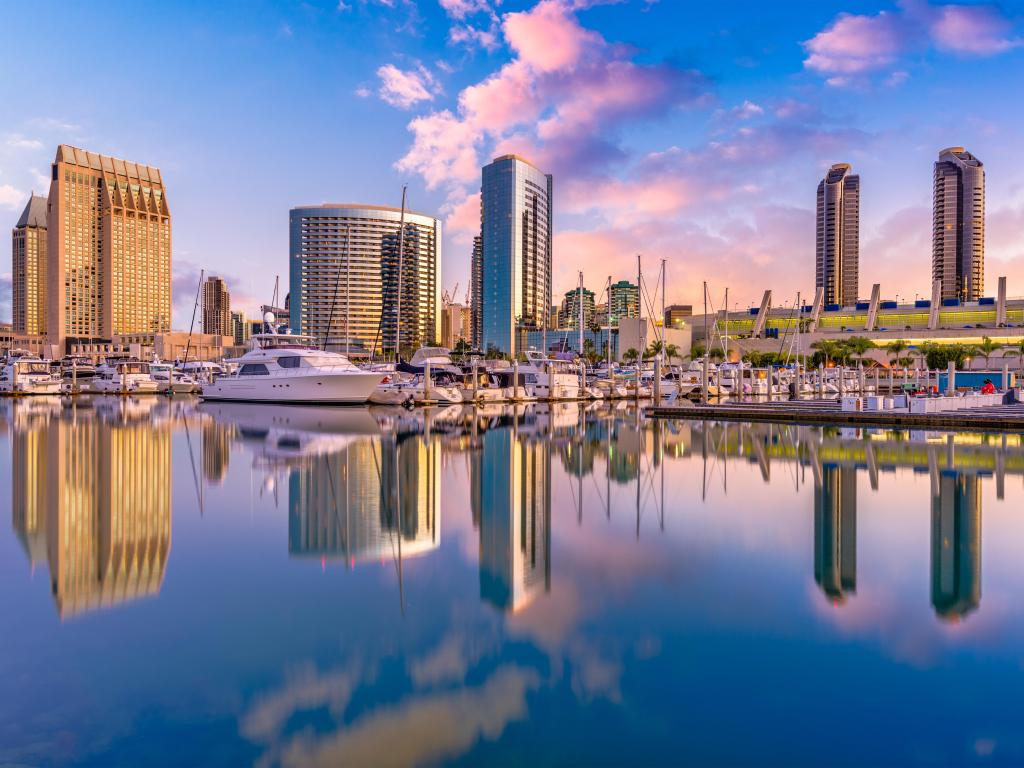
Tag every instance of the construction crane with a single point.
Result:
(448, 297)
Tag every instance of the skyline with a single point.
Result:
(701, 148)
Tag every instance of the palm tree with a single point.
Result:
(630, 355)
(896, 349)
(697, 351)
(654, 349)
(858, 346)
(986, 348)
(671, 352)
(829, 348)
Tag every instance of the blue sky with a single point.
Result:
(686, 131)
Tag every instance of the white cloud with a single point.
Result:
(17, 141)
(405, 88)
(11, 198)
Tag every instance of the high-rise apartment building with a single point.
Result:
(516, 228)
(476, 287)
(569, 314)
(623, 301)
(837, 254)
(28, 269)
(109, 248)
(958, 230)
(456, 325)
(344, 276)
(216, 307)
(241, 329)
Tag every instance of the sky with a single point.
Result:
(690, 132)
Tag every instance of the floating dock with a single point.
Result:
(1002, 418)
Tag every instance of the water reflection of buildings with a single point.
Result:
(350, 504)
(956, 544)
(835, 531)
(95, 497)
(217, 437)
(511, 503)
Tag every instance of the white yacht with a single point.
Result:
(550, 379)
(28, 376)
(286, 368)
(124, 377)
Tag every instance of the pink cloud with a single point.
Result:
(978, 30)
(462, 221)
(565, 94)
(547, 37)
(853, 46)
(856, 44)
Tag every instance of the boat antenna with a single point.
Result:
(188, 344)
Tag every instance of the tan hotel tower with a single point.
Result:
(109, 243)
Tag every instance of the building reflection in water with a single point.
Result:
(216, 452)
(956, 544)
(835, 532)
(350, 504)
(94, 495)
(511, 503)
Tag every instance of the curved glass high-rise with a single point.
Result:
(515, 253)
(958, 232)
(343, 269)
(837, 258)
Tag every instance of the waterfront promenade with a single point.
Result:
(1008, 416)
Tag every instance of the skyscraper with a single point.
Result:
(109, 248)
(241, 329)
(958, 230)
(28, 269)
(216, 307)
(476, 287)
(837, 255)
(623, 301)
(344, 276)
(516, 228)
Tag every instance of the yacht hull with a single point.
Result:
(337, 389)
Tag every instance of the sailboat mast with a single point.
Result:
(401, 253)
(199, 288)
(579, 313)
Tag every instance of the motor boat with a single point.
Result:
(289, 368)
(28, 376)
(77, 373)
(124, 377)
(171, 381)
(551, 379)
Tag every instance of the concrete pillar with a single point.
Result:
(841, 380)
(657, 379)
(1006, 377)
(426, 381)
(515, 380)
(476, 381)
(951, 379)
(891, 383)
(821, 379)
(1001, 303)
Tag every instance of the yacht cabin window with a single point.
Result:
(253, 369)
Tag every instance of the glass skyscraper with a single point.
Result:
(515, 253)
(837, 256)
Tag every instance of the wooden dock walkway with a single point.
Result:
(1001, 418)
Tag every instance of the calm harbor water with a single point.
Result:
(190, 584)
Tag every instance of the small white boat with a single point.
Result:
(171, 381)
(124, 377)
(28, 376)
